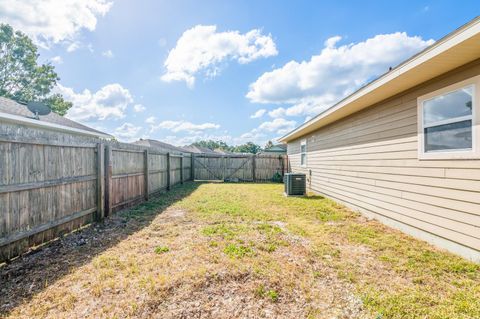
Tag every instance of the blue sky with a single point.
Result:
(180, 71)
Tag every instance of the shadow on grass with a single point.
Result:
(33, 272)
(313, 197)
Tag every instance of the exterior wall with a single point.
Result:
(369, 161)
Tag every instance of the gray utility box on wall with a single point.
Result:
(295, 184)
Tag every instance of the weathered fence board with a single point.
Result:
(127, 180)
(267, 166)
(50, 189)
(157, 165)
(45, 190)
(243, 168)
(54, 184)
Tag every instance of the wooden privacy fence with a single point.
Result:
(242, 168)
(133, 175)
(48, 189)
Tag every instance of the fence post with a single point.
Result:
(108, 179)
(100, 182)
(181, 169)
(192, 166)
(254, 157)
(147, 188)
(168, 171)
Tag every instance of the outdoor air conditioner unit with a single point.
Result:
(295, 184)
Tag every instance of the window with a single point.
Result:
(303, 153)
(447, 122)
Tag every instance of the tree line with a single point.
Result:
(248, 147)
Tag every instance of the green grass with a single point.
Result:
(426, 282)
(282, 250)
(161, 250)
(263, 292)
(223, 230)
(238, 251)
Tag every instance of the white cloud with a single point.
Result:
(151, 120)
(57, 59)
(192, 138)
(179, 126)
(127, 132)
(139, 108)
(254, 136)
(259, 135)
(108, 102)
(258, 138)
(73, 46)
(76, 45)
(258, 114)
(53, 21)
(306, 106)
(108, 54)
(262, 133)
(202, 48)
(278, 125)
(309, 87)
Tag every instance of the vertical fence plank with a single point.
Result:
(224, 167)
(146, 173)
(192, 166)
(282, 164)
(108, 180)
(254, 168)
(181, 169)
(168, 171)
(100, 182)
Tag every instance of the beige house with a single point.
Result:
(405, 149)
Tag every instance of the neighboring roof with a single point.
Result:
(159, 144)
(13, 111)
(223, 152)
(278, 148)
(199, 149)
(454, 50)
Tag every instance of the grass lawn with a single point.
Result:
(239, 250)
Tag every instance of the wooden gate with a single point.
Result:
(238, 168)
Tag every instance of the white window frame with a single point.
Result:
(302, 143)
(474, 152)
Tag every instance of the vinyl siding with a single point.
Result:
(369, 161)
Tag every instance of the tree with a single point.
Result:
(244, 148)
(57, 104)
(268, 145)
(213, 145)
(248, 148)
(21, 77)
